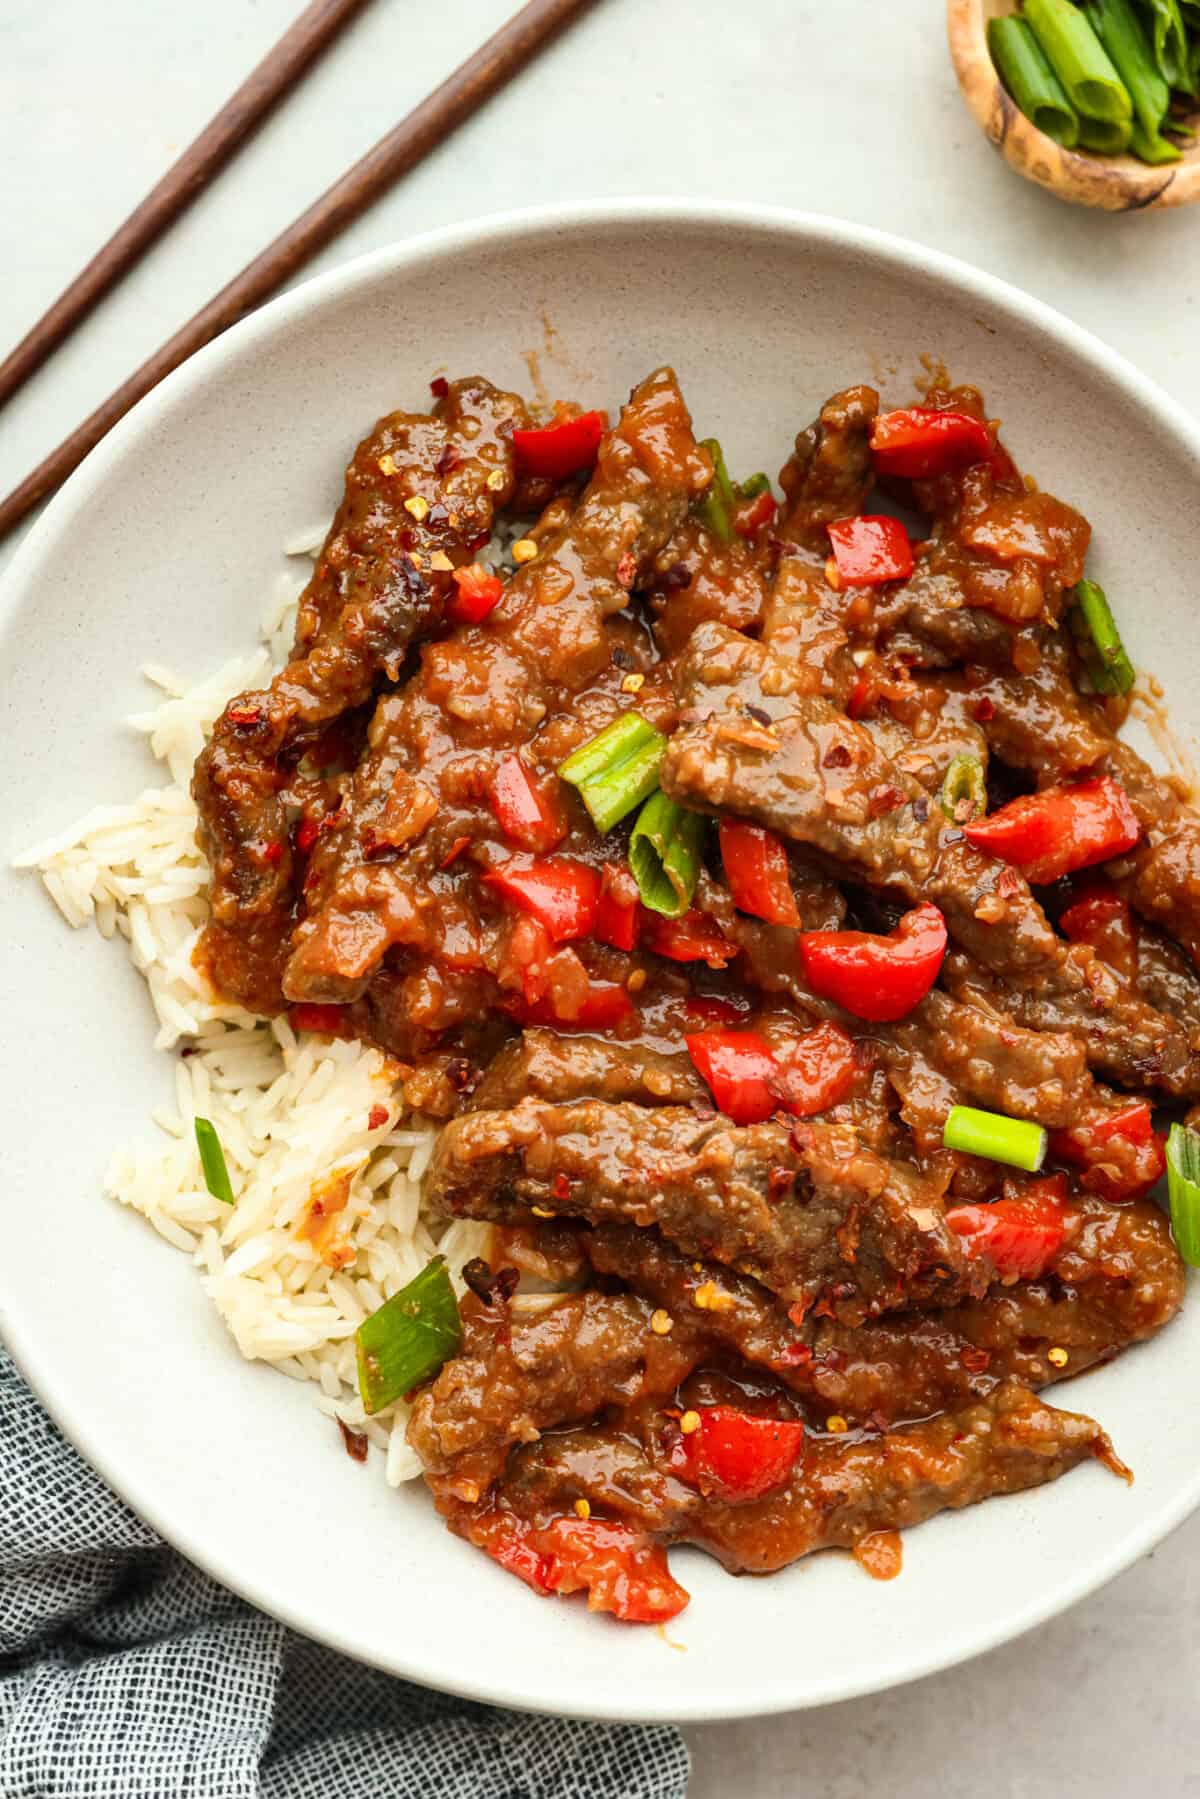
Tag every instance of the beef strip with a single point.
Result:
(829, 473)
(1167, 979)
(842, 1489)
(380, 583)
(540, 1064)
(1118, 1281)
(696, 576)
(513, 1379)
(809, 1211)
(819, 778)
(482, 691)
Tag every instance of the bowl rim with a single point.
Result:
(893, 253)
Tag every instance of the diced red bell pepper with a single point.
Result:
(307, 832)
(819, 1070)
(756, 867)
(739, 1070)
(869, 550)
(562, 449)
(621, 1571)
(618, 915)
(1050, 834)
(478, 592)
(736, 1456)
(750, 516)
(526, 812)
(1020, 1236)
(920, 441)
(692, 938)
(330, 1020)
(1119, 1150)
(874, 977)
(1104, 920)
(560, 893)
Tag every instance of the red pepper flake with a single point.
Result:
(447, 462)
(984, 709)
(561, 1188)
(796, 1355)
(836, 756)
(307, 832)
(455, 851)
(1008, 883)
(273, 852)
(627, 570)
(244, 717)
(678, 576)
(759, 714)
(356, 1445)
(377, 1118)
(975, 1361)
(885, 799)
(439, 387)
(780, 1181)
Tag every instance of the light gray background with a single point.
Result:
(840, 106)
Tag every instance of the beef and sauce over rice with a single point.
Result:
(800, 967)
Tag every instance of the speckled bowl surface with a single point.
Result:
(161, 549)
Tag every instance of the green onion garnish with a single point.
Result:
(716, 508)
(1081, 63)
(1108, 136)
(1109, 668)
(664, 854)
(1026, 73)
(617, 770)
(1175, 61)
(753, 485)
(1116, 25)
(1183, 1181)
(998, 1138)
(964, 790)
(1147, 146)
(212, 1160)
(408, 1338)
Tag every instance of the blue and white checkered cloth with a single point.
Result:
(125, 1673)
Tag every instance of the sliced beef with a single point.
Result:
(807, 1210)
(842, 1489)
(1167, 979)
(483, 691)
(513, 1379)
(696, 576)
(819, 778)
(540, 1064)
(379, 585)
(1118, 1281)
(829, 473)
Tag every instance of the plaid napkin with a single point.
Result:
(125, 1673)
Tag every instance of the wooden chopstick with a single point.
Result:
(241, 115)
(504, 55)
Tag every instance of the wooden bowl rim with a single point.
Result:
(1115, 184)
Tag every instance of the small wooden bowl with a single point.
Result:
(1116, 183)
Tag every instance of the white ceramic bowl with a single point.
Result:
(160, 549)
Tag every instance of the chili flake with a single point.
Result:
(837, 1424)
(661, 1323)
(582, 1509)
(1059, 1357)
(418, 506)
(524, 550)
(689, 1423)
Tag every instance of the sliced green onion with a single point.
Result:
(964, 790)
(1151, 148)
(1171, 51)
(1025, 70)
(617, 769)
(1105, 135)
(1183, 1182)
(716, 508)
(1104, 657)
(408, 1338)
(1116, 25)
(1080, 61)
(212, 1160)
(1000, 1139)
(664, 854)
(753, 485)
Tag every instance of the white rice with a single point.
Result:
(289, 1110)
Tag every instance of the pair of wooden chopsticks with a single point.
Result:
(504, 55)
